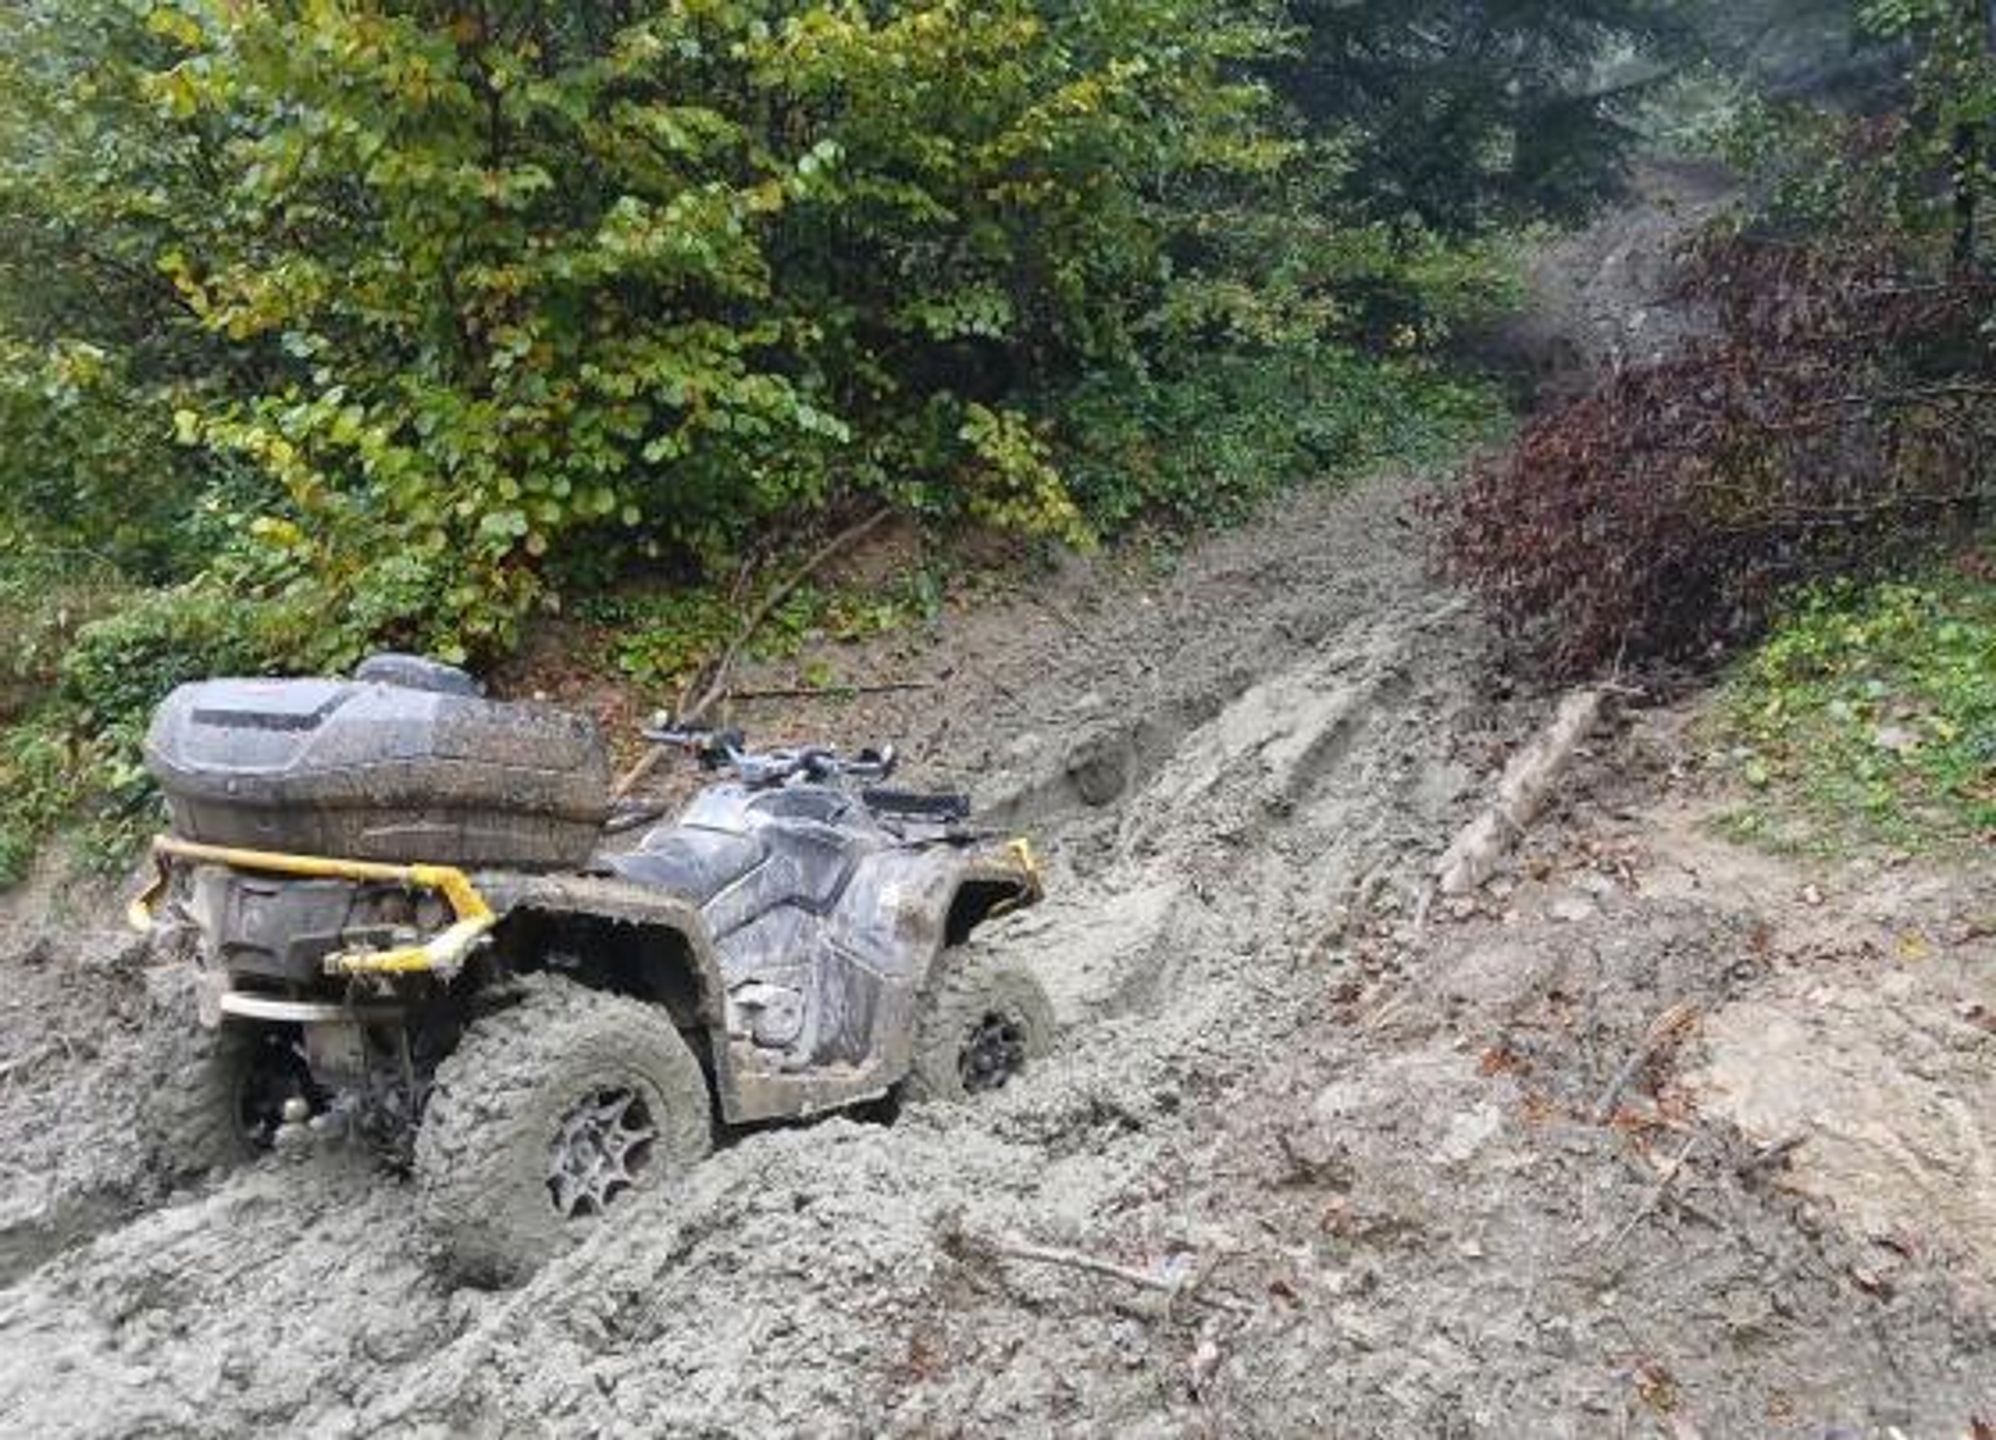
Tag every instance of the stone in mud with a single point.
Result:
(1099, 767)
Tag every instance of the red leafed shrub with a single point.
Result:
(1838, 412)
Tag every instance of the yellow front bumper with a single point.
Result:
(442, 954)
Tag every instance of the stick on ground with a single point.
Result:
(830, 692)
(1662, 1030)
(1655, 1199)
(1769, 1156)
(1012, 1249)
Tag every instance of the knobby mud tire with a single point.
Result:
(482, 1153)
(972, 986)
(191, 1115)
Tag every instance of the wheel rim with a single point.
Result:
(600, 1148)
(993, 1053)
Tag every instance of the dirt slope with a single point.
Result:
(1292, 714)
(1361, 1175)
(1376, 1151)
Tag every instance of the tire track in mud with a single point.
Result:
(1287, 719)
(1249, 826)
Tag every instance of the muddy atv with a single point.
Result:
(411, 923)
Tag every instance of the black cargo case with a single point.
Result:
(373, 770)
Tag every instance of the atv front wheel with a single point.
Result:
(984, 1021)
(221, 1094)
(549, 1114)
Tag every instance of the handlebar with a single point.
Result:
(728, 750)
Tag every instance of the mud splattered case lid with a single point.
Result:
(380, 769)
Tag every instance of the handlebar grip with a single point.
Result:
(948, 809)
(668, 733)
(711, 748)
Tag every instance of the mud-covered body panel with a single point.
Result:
(822, 924)
(697, 864)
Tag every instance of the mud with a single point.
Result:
(1606, 298)
(1372, 1175)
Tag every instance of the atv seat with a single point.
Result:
(689, 861)
(944, 809)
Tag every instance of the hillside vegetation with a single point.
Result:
(332, 325)
(338, 324)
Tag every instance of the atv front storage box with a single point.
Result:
(404, 763)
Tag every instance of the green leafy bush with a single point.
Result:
(38, 790)
(118, 669)
(44, 600)
(497, 284)
(72, 754)
(1204, 445)
(96, 349)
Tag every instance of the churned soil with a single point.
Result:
(1650, 1135)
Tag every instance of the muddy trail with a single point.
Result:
(1314, 1155)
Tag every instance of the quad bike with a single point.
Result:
(406, 927)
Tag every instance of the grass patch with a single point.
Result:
(1869, 716)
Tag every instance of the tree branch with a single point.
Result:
(717, 676)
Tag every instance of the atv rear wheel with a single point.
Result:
(984, 1021)
(549, 1114)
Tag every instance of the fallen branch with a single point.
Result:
(1770, 1155)
(1661, 1031)
(1521, 794)
(635, 776)
(814, 692)
(1655, 1198)
(1011, 1249)
(717, 682)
